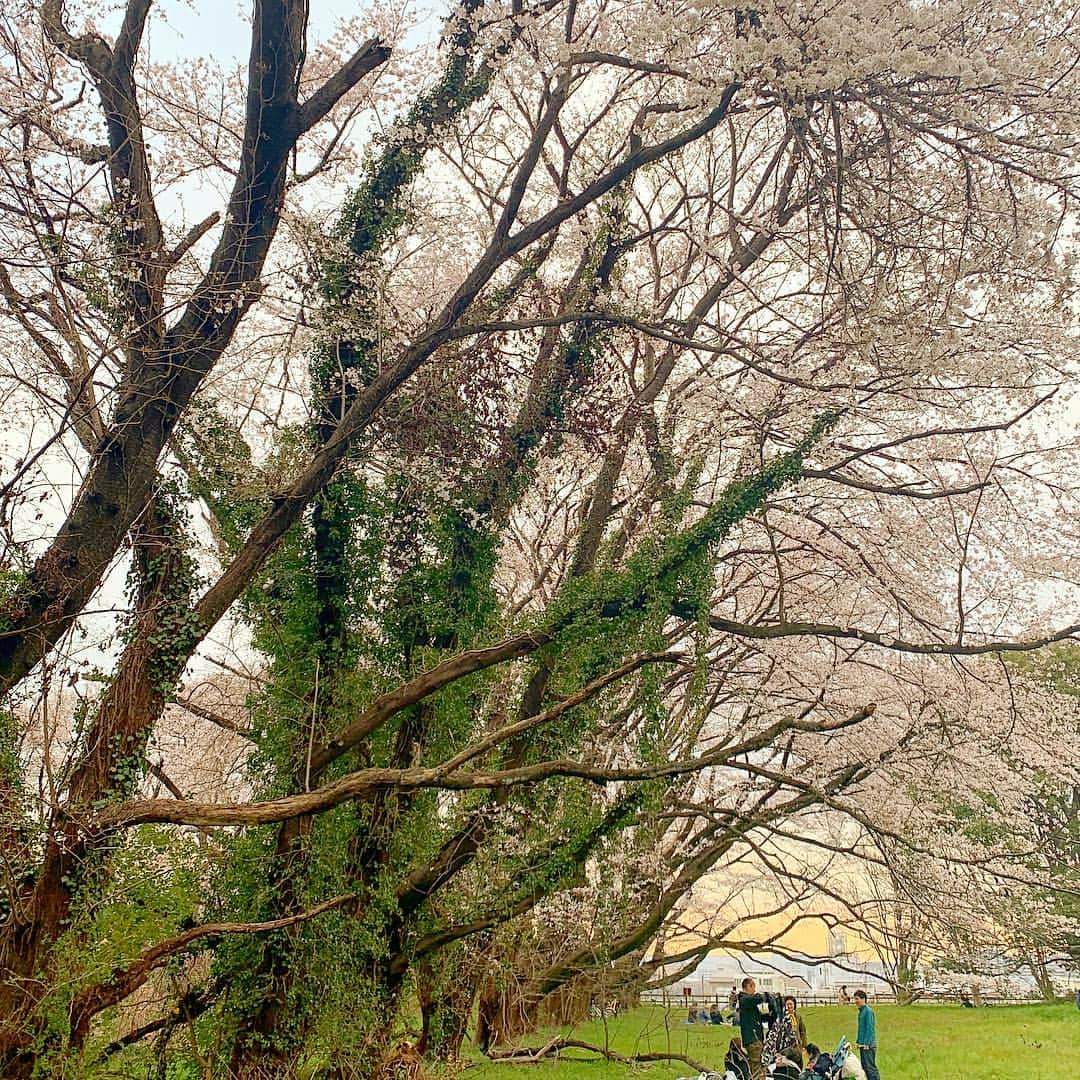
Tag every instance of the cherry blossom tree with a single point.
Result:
(593, 446)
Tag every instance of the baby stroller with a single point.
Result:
(844, 1065)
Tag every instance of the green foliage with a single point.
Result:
(444, 598)
(108, 272)
(12, 580)
(149, 889)
(164, 577)
(13, 817)
(600, 618)
(155, 884)
(650, 574)
(1047, 836)
(10, 771)
(220, 470)
(373, 214)
(1056, 665)
(411, 576)
(977, 818)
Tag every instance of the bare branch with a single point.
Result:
(767, 631)
(360, 783)
(222, 722)
(372, 54)
(524, 1055)
(193, 236)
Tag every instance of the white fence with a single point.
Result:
(684, 1002)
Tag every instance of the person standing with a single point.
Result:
(797, 1025)
(866, 1039)
(751, 1027)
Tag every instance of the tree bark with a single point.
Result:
(447, 991)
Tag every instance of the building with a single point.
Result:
(807, 980)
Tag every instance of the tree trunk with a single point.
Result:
(505, 1013)
(446, 998)
(1044, 982)
(110, 768)
(258, 1063)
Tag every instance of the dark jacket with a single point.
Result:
(737, 1062)
(750, 1020)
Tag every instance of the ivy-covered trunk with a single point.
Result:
(336, 593)
(568, 1006)
(110, 766)
(446, 991)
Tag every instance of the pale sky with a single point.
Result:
(184, 29)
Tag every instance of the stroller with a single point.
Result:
(844, 1065)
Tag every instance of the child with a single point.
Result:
(819, 1064)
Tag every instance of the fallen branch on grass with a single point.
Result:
(525, 1055)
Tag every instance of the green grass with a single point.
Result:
(921, 1042)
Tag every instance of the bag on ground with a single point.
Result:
(852, 1068)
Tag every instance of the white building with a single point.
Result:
(718, 972)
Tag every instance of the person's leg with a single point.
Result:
(869, 1064)
(757, 1070)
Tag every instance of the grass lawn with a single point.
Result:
(921, 1042)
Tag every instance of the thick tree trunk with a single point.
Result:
(907, 974)
(447, 995)
(254, 1062)
(110, 768)
(504, 1013)
(163, 374)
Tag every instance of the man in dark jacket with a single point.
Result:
(751, 1026)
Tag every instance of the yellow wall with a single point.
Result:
(734, 915)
